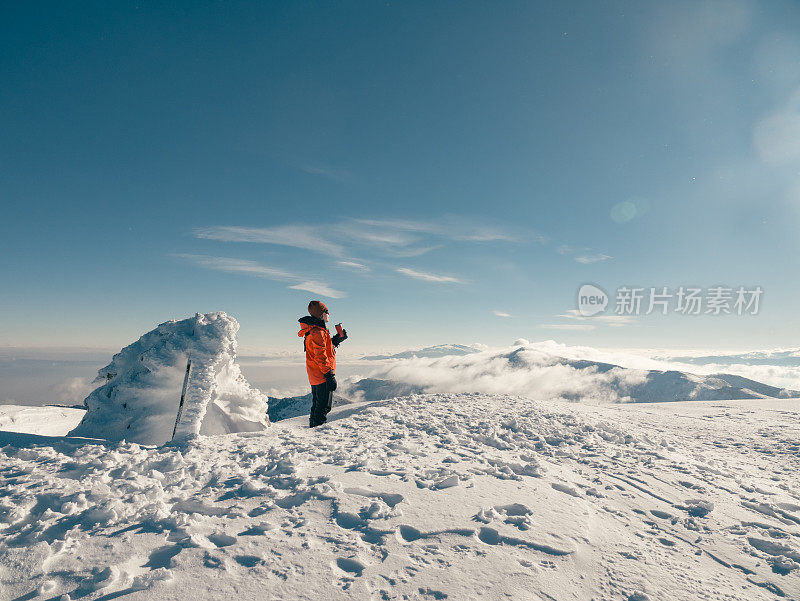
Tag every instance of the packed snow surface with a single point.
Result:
(140, 392)
(442, 496)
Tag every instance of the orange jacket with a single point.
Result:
(320, 356)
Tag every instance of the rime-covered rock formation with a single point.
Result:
(140, 392)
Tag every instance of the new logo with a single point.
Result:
(591, 300)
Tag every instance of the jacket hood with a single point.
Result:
(308, 322)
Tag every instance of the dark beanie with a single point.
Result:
(317, 308)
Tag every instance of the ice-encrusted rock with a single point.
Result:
(141, 387)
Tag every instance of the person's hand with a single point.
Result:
(330, 378)
(337, 339)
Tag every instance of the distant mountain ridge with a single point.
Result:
(528, 370)
(789, 358)
(439, 350)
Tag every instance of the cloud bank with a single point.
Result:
(548, 370)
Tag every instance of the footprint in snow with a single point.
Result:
(349, 521)
(258, 529)
(697, 507)
(248, 561)
(213, 562)
(491, 536)
(100, 579)
(350, 565)
(431, 593)
(222, 540)
(261, 510)
(162, 557)
(391, 499)
(408, 534)
(565, 488)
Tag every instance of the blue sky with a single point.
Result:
(419, 166)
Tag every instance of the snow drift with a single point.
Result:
(141, 388)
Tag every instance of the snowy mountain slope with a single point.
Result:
(288, 407)
(425, 497)
(295, 406)
(140, 390)
(372, 389)
(365, 389)
(778, 367)
(533, 370)
(758, 388)
(788, 357)
(536, 371)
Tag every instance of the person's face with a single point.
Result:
(325, 316)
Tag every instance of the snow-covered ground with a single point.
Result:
(47, 421)
(442, 496)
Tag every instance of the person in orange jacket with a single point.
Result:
(320, 350)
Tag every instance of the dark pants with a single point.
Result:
(321, 403)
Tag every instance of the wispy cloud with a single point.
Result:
(586, 259)
(615, 321)
(417, 251)
(238, 266)
(318, 288)
(567, 326)
(339, 175)
(353, 265)
(381, 238)
(582, 254)
(450, 227)
(502, 314)
(254, 269)
(385, 241)
(428, 277)
(390, 237)
(308, 237)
